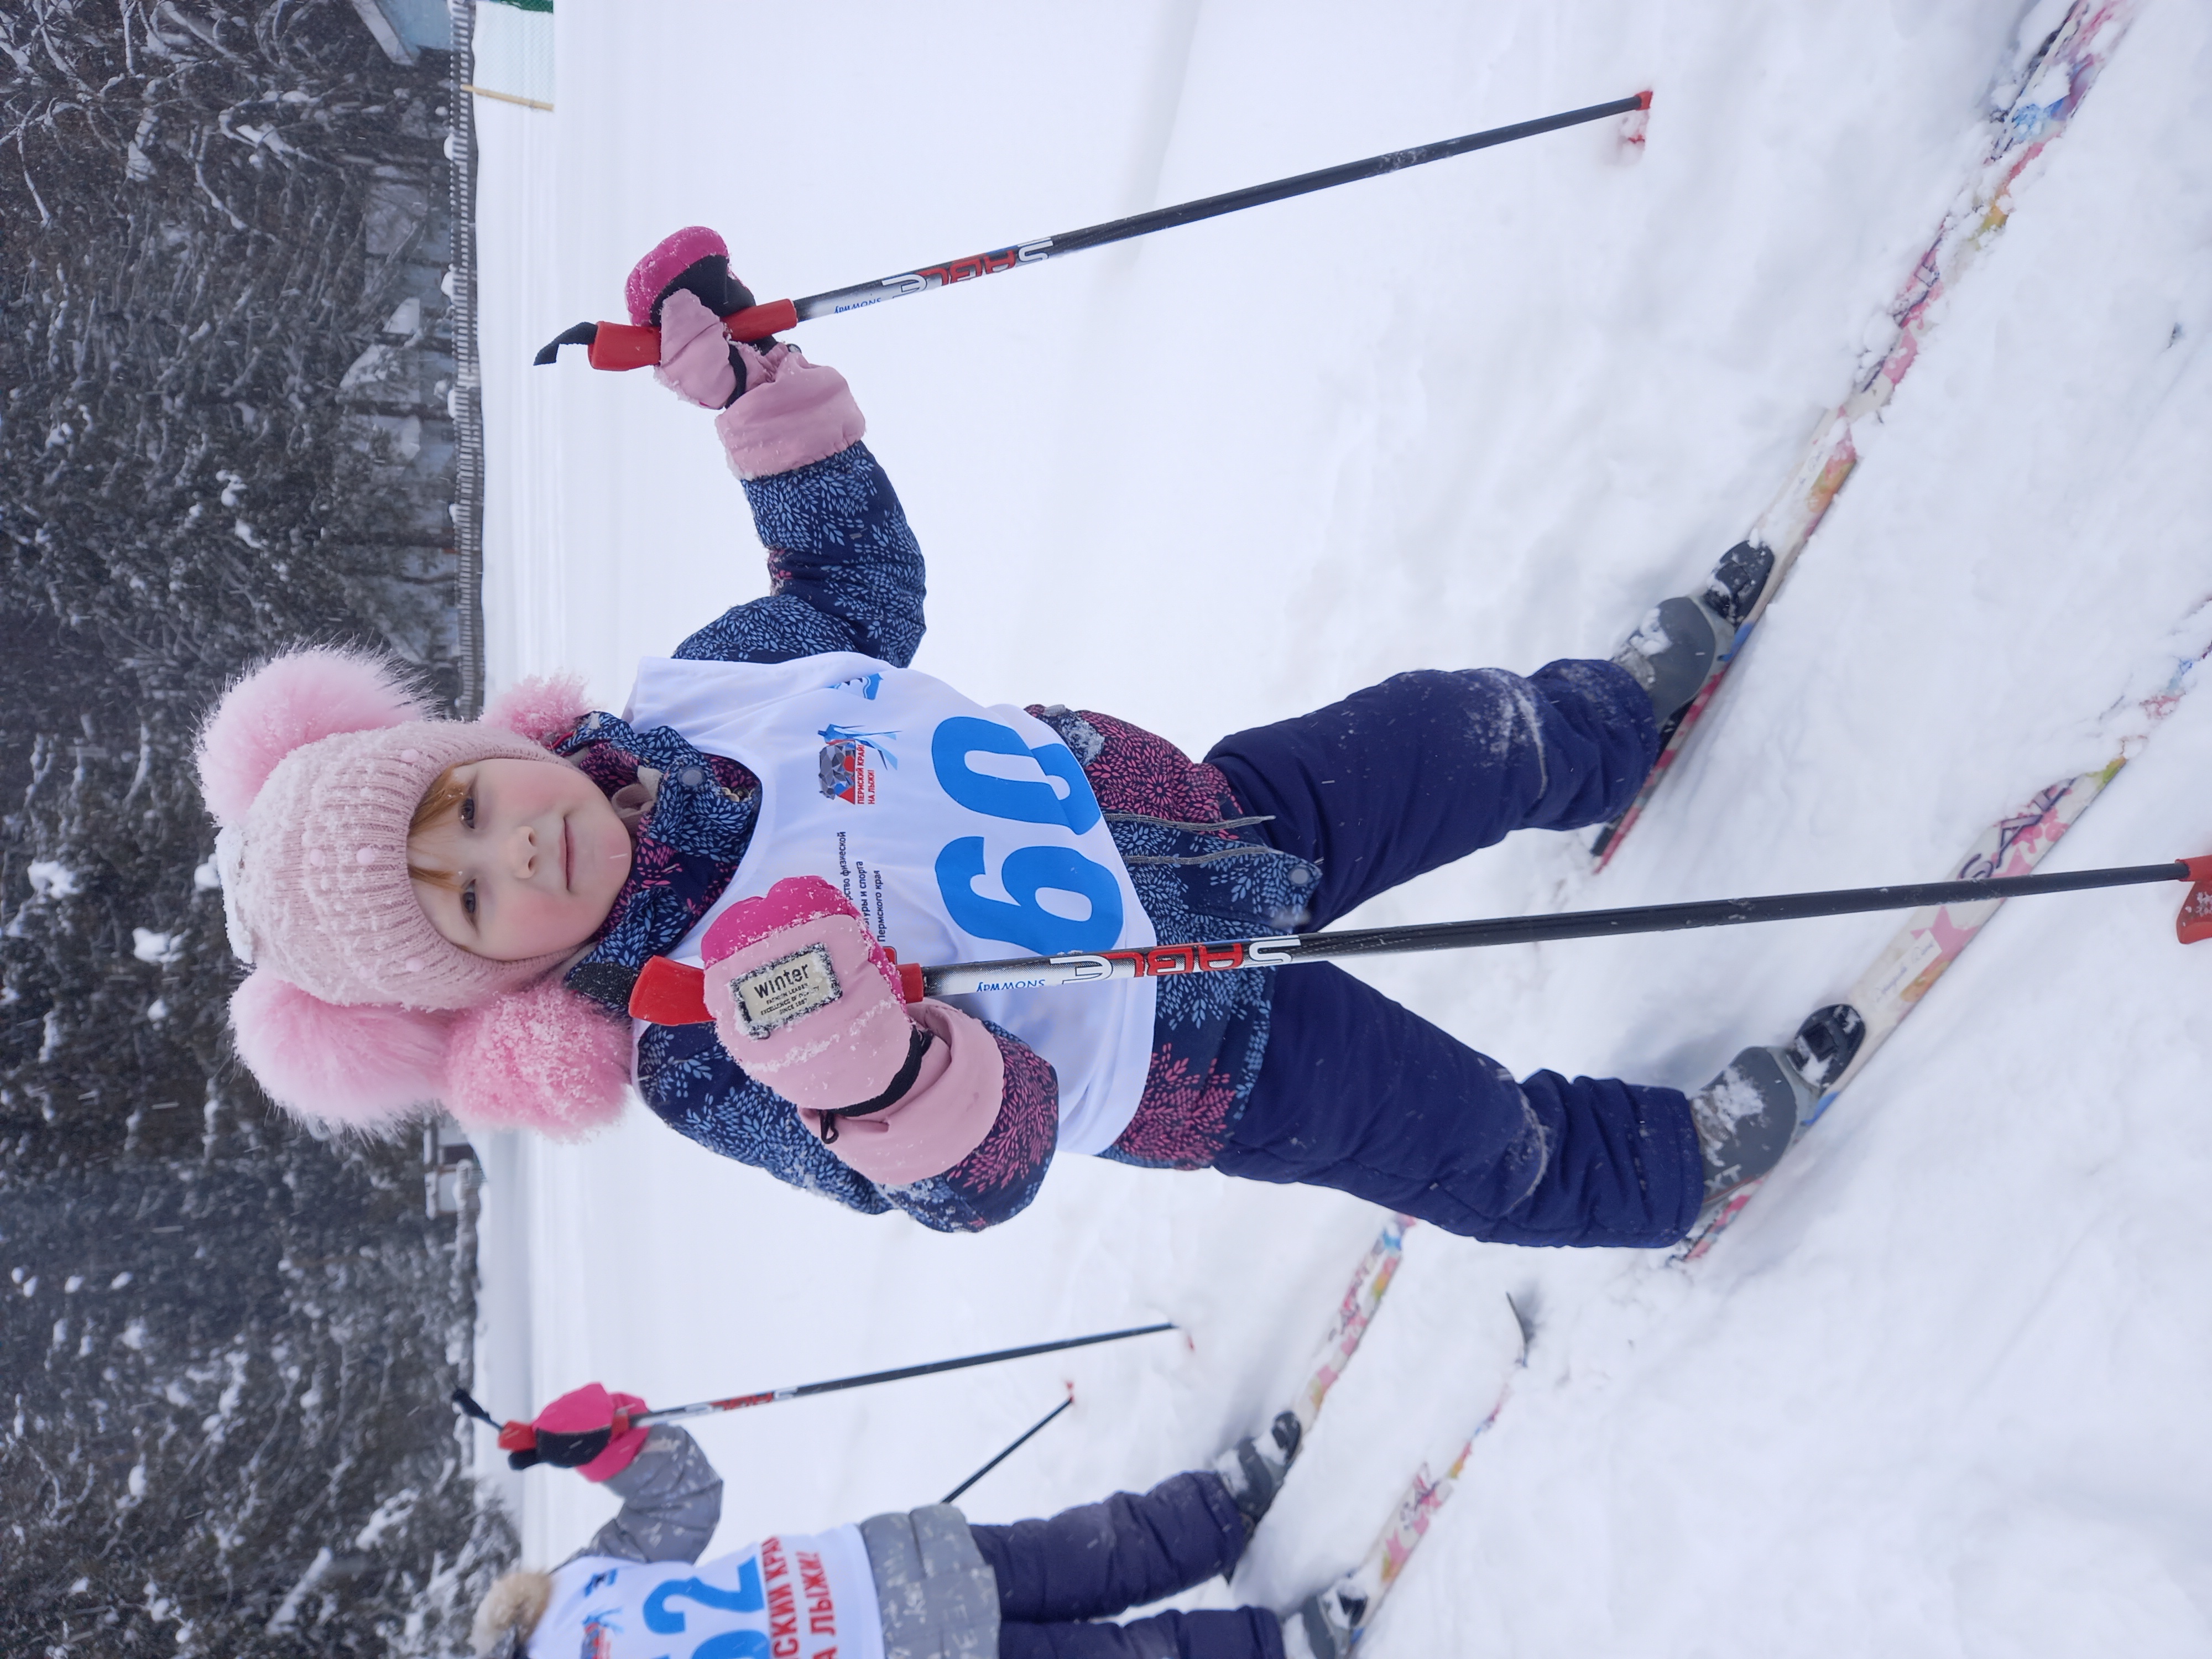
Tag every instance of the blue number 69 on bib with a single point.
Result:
(1025, 922)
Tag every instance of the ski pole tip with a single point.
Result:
(1644, 99)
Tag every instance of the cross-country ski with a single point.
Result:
(2041, 98)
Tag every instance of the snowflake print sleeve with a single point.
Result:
(845, 572)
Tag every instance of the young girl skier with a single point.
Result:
(455, 911)
(921, 1584)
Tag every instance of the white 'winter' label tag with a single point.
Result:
(791, 988)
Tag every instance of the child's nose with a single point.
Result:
(522, 852)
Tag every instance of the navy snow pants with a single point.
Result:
(1054, 1577)
(1354, 1092)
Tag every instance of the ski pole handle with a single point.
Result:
(625, 346)
(621, 346)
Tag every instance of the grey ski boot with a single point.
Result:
(1323, 1626)
(1252, 1469)
(1673, 652)
(1748, 1116)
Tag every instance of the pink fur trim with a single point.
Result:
(294, 699)
(540, 1058)
(805, 414)
(668, 260)
(366, 1067)
(544, 708)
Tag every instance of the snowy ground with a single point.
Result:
(1939, 1392)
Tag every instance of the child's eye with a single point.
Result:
(469, 810)
(469, 900)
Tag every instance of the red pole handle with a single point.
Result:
(2194, 924)
(624, 345)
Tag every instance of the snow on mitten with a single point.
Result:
(577, 1431)
(684, 288)
(809, 1003)
(806, 1001)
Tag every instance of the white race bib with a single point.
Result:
(785, 1598)
(961, 834)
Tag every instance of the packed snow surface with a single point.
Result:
(1941, 1390)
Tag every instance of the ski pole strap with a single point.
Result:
(1021, 973)
(466, 1403)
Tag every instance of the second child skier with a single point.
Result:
(924, 1584)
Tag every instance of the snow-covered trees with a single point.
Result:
(226, 355)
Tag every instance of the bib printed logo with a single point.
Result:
(848, 763)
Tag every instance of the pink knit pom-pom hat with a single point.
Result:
(313, 766)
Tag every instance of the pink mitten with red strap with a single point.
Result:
(807, 1002)
(586, 1429)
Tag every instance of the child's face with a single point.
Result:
(536, 855)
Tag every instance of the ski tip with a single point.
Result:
(1644, 99)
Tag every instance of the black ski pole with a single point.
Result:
(1019, 1441)
(738, 1402)
(621, 346)
(516, 1435)
(670, 992)
(1079, 968)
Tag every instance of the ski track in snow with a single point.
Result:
(1938, 1392)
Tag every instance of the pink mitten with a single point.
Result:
(586, 1429)
(807, 1002)
(696, 362)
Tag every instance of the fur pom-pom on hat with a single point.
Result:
(363, 1067)
(541, 1058)
(509, 1613)
(542, 709)
(299, 698)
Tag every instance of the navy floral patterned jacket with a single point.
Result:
(846, 575)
